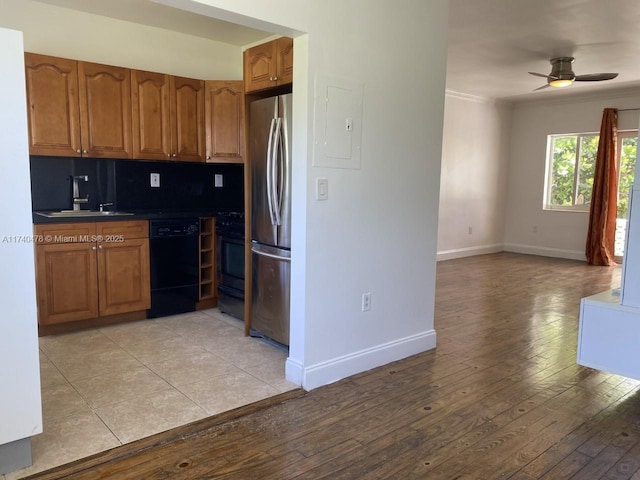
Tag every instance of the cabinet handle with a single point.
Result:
(100, 247)
(273, 79)
(78, 151)
(173, 155)
(84, 152)
(168, 155)
(93, 248)
(208, 157)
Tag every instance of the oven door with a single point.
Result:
(230, 274)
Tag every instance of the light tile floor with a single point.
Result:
(108, 386)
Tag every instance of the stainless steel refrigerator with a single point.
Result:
(270, 151)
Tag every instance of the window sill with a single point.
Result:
(567, 209)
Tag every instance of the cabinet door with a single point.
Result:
(105, 110)
(66, 283)
(284, 49)
(224, 121)
(151, 115)
(52, 105)
(260, 67)
(187, 114)
(123, 276)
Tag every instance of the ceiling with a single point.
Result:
(492, 43)
(148, 12)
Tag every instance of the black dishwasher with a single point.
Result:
(173, 250)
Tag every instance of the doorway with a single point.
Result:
(626, 162)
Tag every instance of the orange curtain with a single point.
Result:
(604, 197)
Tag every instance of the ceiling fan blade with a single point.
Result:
(540, 88)
(595, 77)
(538, 74)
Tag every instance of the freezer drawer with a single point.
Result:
(270, 294)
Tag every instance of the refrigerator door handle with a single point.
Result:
(286, 154)
(270, 255)
(277, 171)
(270, 148)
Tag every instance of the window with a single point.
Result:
(571, 163)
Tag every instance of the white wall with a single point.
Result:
(377, 231)
(473, 184)
(559, 234)
(20, 413)
(62, 32)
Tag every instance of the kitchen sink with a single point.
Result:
(81, 213)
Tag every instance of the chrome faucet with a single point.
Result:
(77, 199)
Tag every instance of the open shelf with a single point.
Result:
(207, 287)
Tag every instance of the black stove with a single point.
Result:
(230, 224)
(230, 252)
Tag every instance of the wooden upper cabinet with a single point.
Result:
(86, 109)
(151, 115)
(105, 110)
(77, 108)
(224, 121)
(284, 50)
(168, 117)
(52, 105)
(187, 114)
(268, 65)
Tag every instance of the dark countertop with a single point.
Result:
(154, 215)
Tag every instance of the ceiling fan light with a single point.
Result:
(560, 82)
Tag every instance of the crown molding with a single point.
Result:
(579, 97)
(476, 98)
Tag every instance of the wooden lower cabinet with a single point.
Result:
(123, 276)
(66, 282)
(91, 270)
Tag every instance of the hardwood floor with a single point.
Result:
(500, 398)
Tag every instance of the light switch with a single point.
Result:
(155, 180)
(322, 189)
(218, 180)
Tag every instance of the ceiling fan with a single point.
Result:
(562, 75)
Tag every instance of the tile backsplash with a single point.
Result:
(126, 183)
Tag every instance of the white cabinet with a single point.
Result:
(20, 410)
(609, 332)
(630, 287)
(609, 335)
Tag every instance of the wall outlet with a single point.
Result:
(154, 180)
(470, 231)
(218, 180)
(366, 302)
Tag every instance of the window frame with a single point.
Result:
(584, 208)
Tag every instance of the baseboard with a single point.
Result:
(293, 371)
(469, 251)
(323, 373)
(15, 456)
(545, 251)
